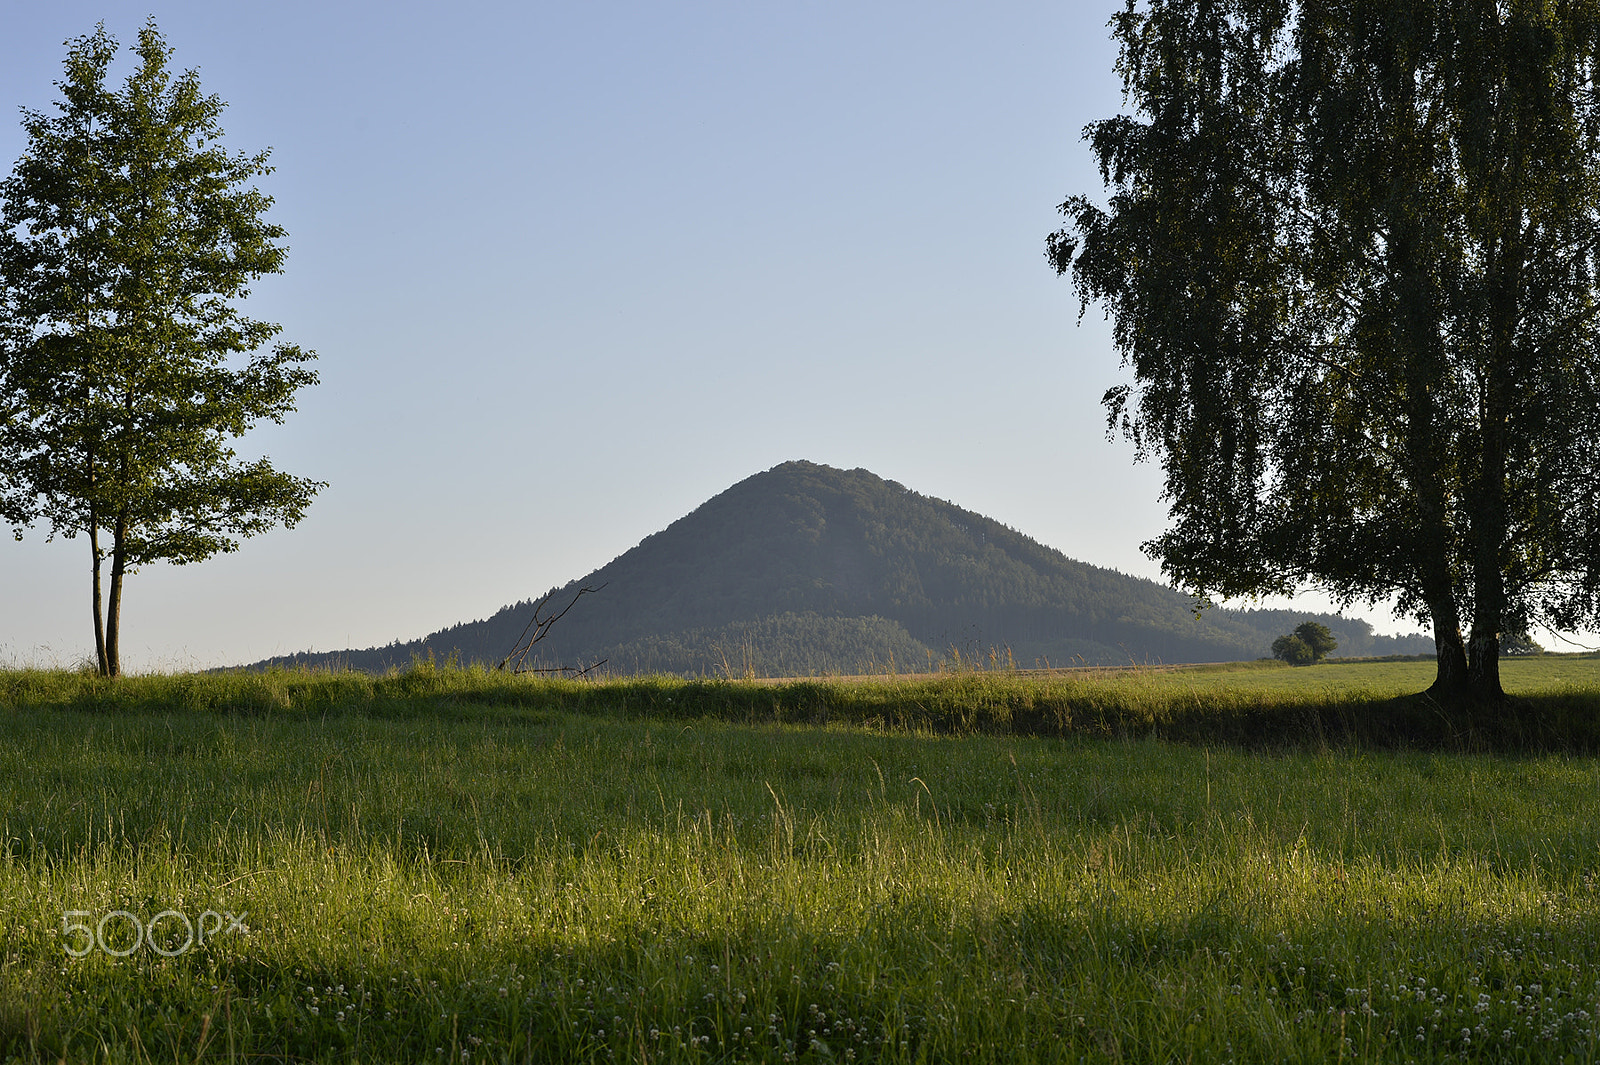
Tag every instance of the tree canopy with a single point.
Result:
(1350, 255)
(129, 236)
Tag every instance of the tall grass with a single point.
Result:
(458, 866)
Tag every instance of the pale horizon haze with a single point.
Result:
(573, 269)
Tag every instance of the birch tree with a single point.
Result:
(1350, 253)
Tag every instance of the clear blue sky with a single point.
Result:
(573, 268)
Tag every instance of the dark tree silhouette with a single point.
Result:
(1309, 642)
(1351, 255)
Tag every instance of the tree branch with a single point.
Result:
(540, 627)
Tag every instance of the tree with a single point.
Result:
(1309, 642)
(1293, 650)
(1316, 636)
(1350, 254)
(129, 236)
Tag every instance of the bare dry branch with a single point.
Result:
(538, 628)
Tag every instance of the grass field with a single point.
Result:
(459, 866)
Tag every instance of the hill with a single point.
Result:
(807, 569)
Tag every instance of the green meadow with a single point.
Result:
(1210, 864)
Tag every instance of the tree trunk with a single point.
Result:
(1452, 681)
(99, 605)
(1483, 666)
(1488, 499)
(119, 556)
(94, 549)
(1489, 582)
(1468, 672)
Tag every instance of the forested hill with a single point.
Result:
(808, 569)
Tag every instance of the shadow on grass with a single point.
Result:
(963, 704)
(1540, 723)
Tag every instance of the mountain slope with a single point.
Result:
(805, 568)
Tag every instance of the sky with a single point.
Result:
(571, 269)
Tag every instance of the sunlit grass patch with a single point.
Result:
(488, 874)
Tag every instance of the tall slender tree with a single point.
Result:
(126, 367)
(1351, 252)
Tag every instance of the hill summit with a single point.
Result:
(807, 569)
